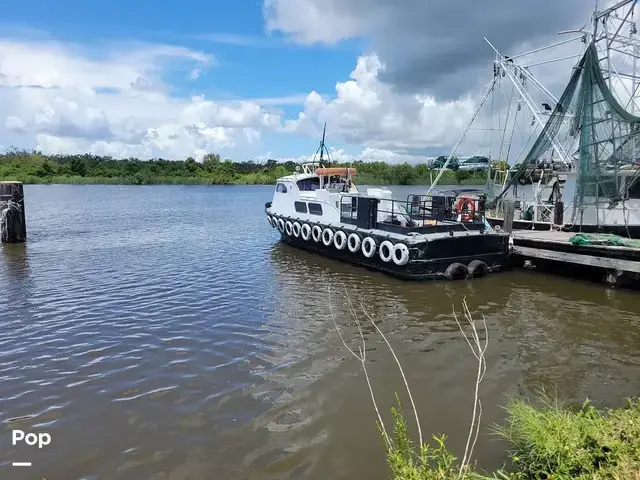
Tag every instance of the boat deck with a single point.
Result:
(554, 246)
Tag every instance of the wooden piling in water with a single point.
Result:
(508, 212)
(13, 225)
(558, 213)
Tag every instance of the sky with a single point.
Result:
(395, 80)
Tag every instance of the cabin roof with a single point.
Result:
(297, 176)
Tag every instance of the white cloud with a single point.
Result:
(377, 116)
(60, 98)
(427, 45)
(366, 155)
(310, 22)
(117, 103)
(63, 98)
(418, 91)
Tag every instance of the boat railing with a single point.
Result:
(418, 213)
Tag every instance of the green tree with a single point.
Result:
(271, 164)
(403, 174)
(78, 166)
(191, 165)
(210, 161)
(422, 169)
(462, 175)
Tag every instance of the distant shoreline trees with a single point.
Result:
(35, 167)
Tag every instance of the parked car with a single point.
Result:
(475, 164)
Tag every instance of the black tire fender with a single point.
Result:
(456, 271)
(477, 269)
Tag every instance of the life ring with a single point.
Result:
(327, 236)
(316, 232)
(340, 240)
(281, 225)
(468, 204)
(368, 247)
(288, 227)
(296, 229)
(386, 251)
(305, 231)
(400, 254)
(269, 220)
(273, 221)
(353, 242)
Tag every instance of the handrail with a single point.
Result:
(415, 212)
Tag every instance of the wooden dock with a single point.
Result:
(550, 248)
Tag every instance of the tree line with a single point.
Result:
(36, 167)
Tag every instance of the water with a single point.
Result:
(163, 332)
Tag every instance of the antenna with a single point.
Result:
(322, 146)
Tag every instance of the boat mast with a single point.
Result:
(322, 146)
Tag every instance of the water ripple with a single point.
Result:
(163, 332)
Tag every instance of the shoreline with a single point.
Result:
(198, 181)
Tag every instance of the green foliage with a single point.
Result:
(380, 173)
(427, 462)
(78, 166)
(558, 442)
(34, 167)
(462, 175)
(549, 442)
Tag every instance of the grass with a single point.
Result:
(552, 441)
(556, 441)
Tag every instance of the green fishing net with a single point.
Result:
(608, 139)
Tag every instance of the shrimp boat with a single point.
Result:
(579, 169)
(320, 209)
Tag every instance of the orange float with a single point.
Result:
(335, 171)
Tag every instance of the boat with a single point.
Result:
(320, 209)
(597, 187)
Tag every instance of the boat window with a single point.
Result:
(281, 188)
(309, 184)
(315, 208)
(634, 191)
(301, 207)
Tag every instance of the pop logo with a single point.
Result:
(31, 439)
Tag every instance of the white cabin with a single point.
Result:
(314, 193)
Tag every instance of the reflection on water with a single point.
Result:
(164, 332)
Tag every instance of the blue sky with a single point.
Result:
(247, 79)
(249, 63)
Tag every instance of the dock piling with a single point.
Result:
(13, 225)
(558, 213)
(612, 277)
(508, 212)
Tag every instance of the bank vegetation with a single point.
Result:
(35, 167)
